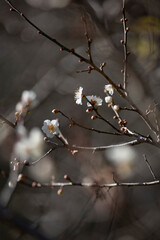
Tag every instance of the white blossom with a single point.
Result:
(123, 159)
(51, 128)
(94, 100)
(109, 88)
(29, 98)
(78, 95)
(108, 99)
(29, 147)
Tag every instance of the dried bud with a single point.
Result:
(55, 111)
(121, 19)
(126, 131)
(90, 40)
(124, 122)
(122, 70)
(115, 117)
(45, 139)
(103, 64)
(17, 115)
(34, 184)
(20, 178)
(93, 117)
(39, 32)
(89, 110)
(66, 177)
(128, 53)
(126, 19)
(60, 191)
(122, 129)
(120, 86)
(122, 41)
(80, 60)
(120, 122)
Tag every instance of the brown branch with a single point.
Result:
(89, 40)
(7, 121)
(124, 42)
(74, 123)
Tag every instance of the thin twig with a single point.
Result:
(149, 167)
(94, 185)
(74, 123)
(89, 40)
(124, 42)
(39, 159)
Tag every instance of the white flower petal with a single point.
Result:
(109, 88)
(29, 148)
(96, 101)
(51, 128)
(108, 99)
(78, 95)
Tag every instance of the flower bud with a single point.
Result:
(55, 111)
(93, 117)
(116, 108)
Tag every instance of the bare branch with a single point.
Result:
(149, 166)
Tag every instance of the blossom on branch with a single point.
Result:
(109, 88)
(108, 99)
(51, 128)
(78, 95)
(28, 101)
(94, 101)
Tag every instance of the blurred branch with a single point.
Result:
(70, 183)
(7, 121)
(124, 42)
(149, 167)
(25, 225)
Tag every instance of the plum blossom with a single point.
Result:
(94, 100)
(29, 147)
(123, 159)
(78, 95)
(51, 128)
(108, 99)
(109, 88)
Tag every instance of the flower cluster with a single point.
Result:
(94, 100)
(91, 100)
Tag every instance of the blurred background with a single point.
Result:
(28, 61)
